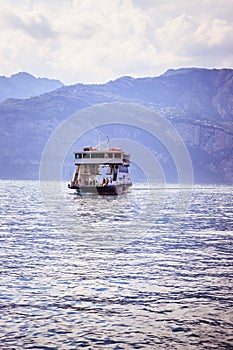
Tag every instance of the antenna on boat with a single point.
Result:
(101, 144)
(107, 142)
(99, 140)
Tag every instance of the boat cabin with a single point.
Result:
(101, 167)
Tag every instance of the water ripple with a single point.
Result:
(116, 273)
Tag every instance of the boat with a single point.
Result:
(101, 170)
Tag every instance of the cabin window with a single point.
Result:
(86, 155)
(117, 155)
(108, 155)
(97, 155)
(94, 155)
(78, 155)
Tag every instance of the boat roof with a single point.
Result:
(97, 149)
(90, 155)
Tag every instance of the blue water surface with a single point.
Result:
(151, 269)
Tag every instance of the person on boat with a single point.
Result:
(104, 181)
(107, 181)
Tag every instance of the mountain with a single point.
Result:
(197, 102)
(24, 85)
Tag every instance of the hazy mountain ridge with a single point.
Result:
(25, 85)
(199, 90)
(198, 102)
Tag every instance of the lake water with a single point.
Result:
(151, 269)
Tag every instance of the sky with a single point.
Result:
(95, 41)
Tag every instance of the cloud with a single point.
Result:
(34, 24)
(195, 39)
(95, 41)
(215, 33)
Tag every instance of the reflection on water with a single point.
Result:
(140, 270)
